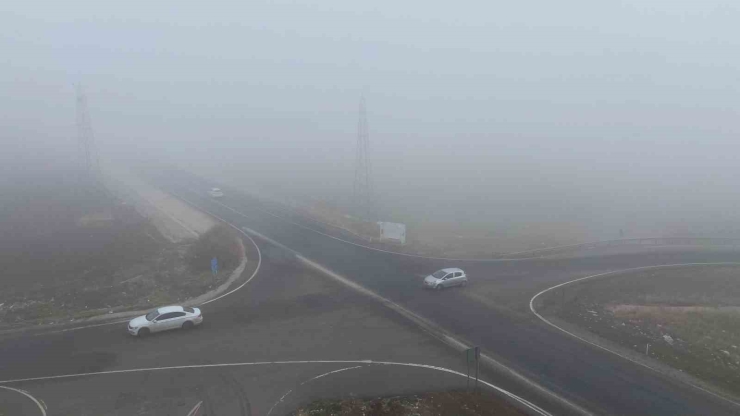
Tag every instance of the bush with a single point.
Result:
(219, 242)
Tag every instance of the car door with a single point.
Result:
(458, 279)
(177, 320)
(174, 320)
(447, 280)
(161, 322)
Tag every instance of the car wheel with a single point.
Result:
(143, 332)
(438, 287)
(464, 283)
(187, 325)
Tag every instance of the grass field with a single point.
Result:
(689, 317)
(70, 250)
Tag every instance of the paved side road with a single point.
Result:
(288, 337)
(593, 378)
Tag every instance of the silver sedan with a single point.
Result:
(446, 278)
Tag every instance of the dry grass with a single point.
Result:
(689, 316)
(710, 328)
(458, 240)
(458, 403)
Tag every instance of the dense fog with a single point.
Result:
(604, 116)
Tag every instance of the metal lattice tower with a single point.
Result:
(362, 186)
(88, 153)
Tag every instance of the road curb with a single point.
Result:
(119, 317)
(657, 367)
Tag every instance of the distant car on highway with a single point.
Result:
(446, 278)
(163, 319)
(215, 193)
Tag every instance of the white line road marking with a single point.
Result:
(195, 409)
(259, 262)
(307, 381)
(269, 412)
(432, 330)
(41, 407)
(181, 367)
(616, 272)
(422, 322)
(330, 372)
(244, 364)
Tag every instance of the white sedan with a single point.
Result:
(162, 319)
(216, 193)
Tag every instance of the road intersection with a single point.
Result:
(292, 335)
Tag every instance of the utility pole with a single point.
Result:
(362, 192)
(88, 153)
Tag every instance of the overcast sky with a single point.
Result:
(561, 110)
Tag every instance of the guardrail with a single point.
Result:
(645, 241)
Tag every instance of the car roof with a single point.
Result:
(168, 309)
(452, 269)
(215, 189)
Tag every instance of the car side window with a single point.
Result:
(177, 314)
(458, 274)
(165, 316)
(447, 277)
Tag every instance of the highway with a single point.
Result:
(277, 334)
(594, 379)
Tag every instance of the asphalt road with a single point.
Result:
(290, 337)
(595, 379)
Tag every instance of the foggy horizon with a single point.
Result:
(608, 117)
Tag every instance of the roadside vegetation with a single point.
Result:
(219, 242)
(71, 251)
(459, 403)
(469, 240)
(689, 317)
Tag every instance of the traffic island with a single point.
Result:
(679, 320)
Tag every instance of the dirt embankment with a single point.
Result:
(71, 250)
(688, 316)
(431, 404)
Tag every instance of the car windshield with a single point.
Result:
(151, 315)
(439, 274)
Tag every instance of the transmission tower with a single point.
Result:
(362, 185)
(88, 153)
